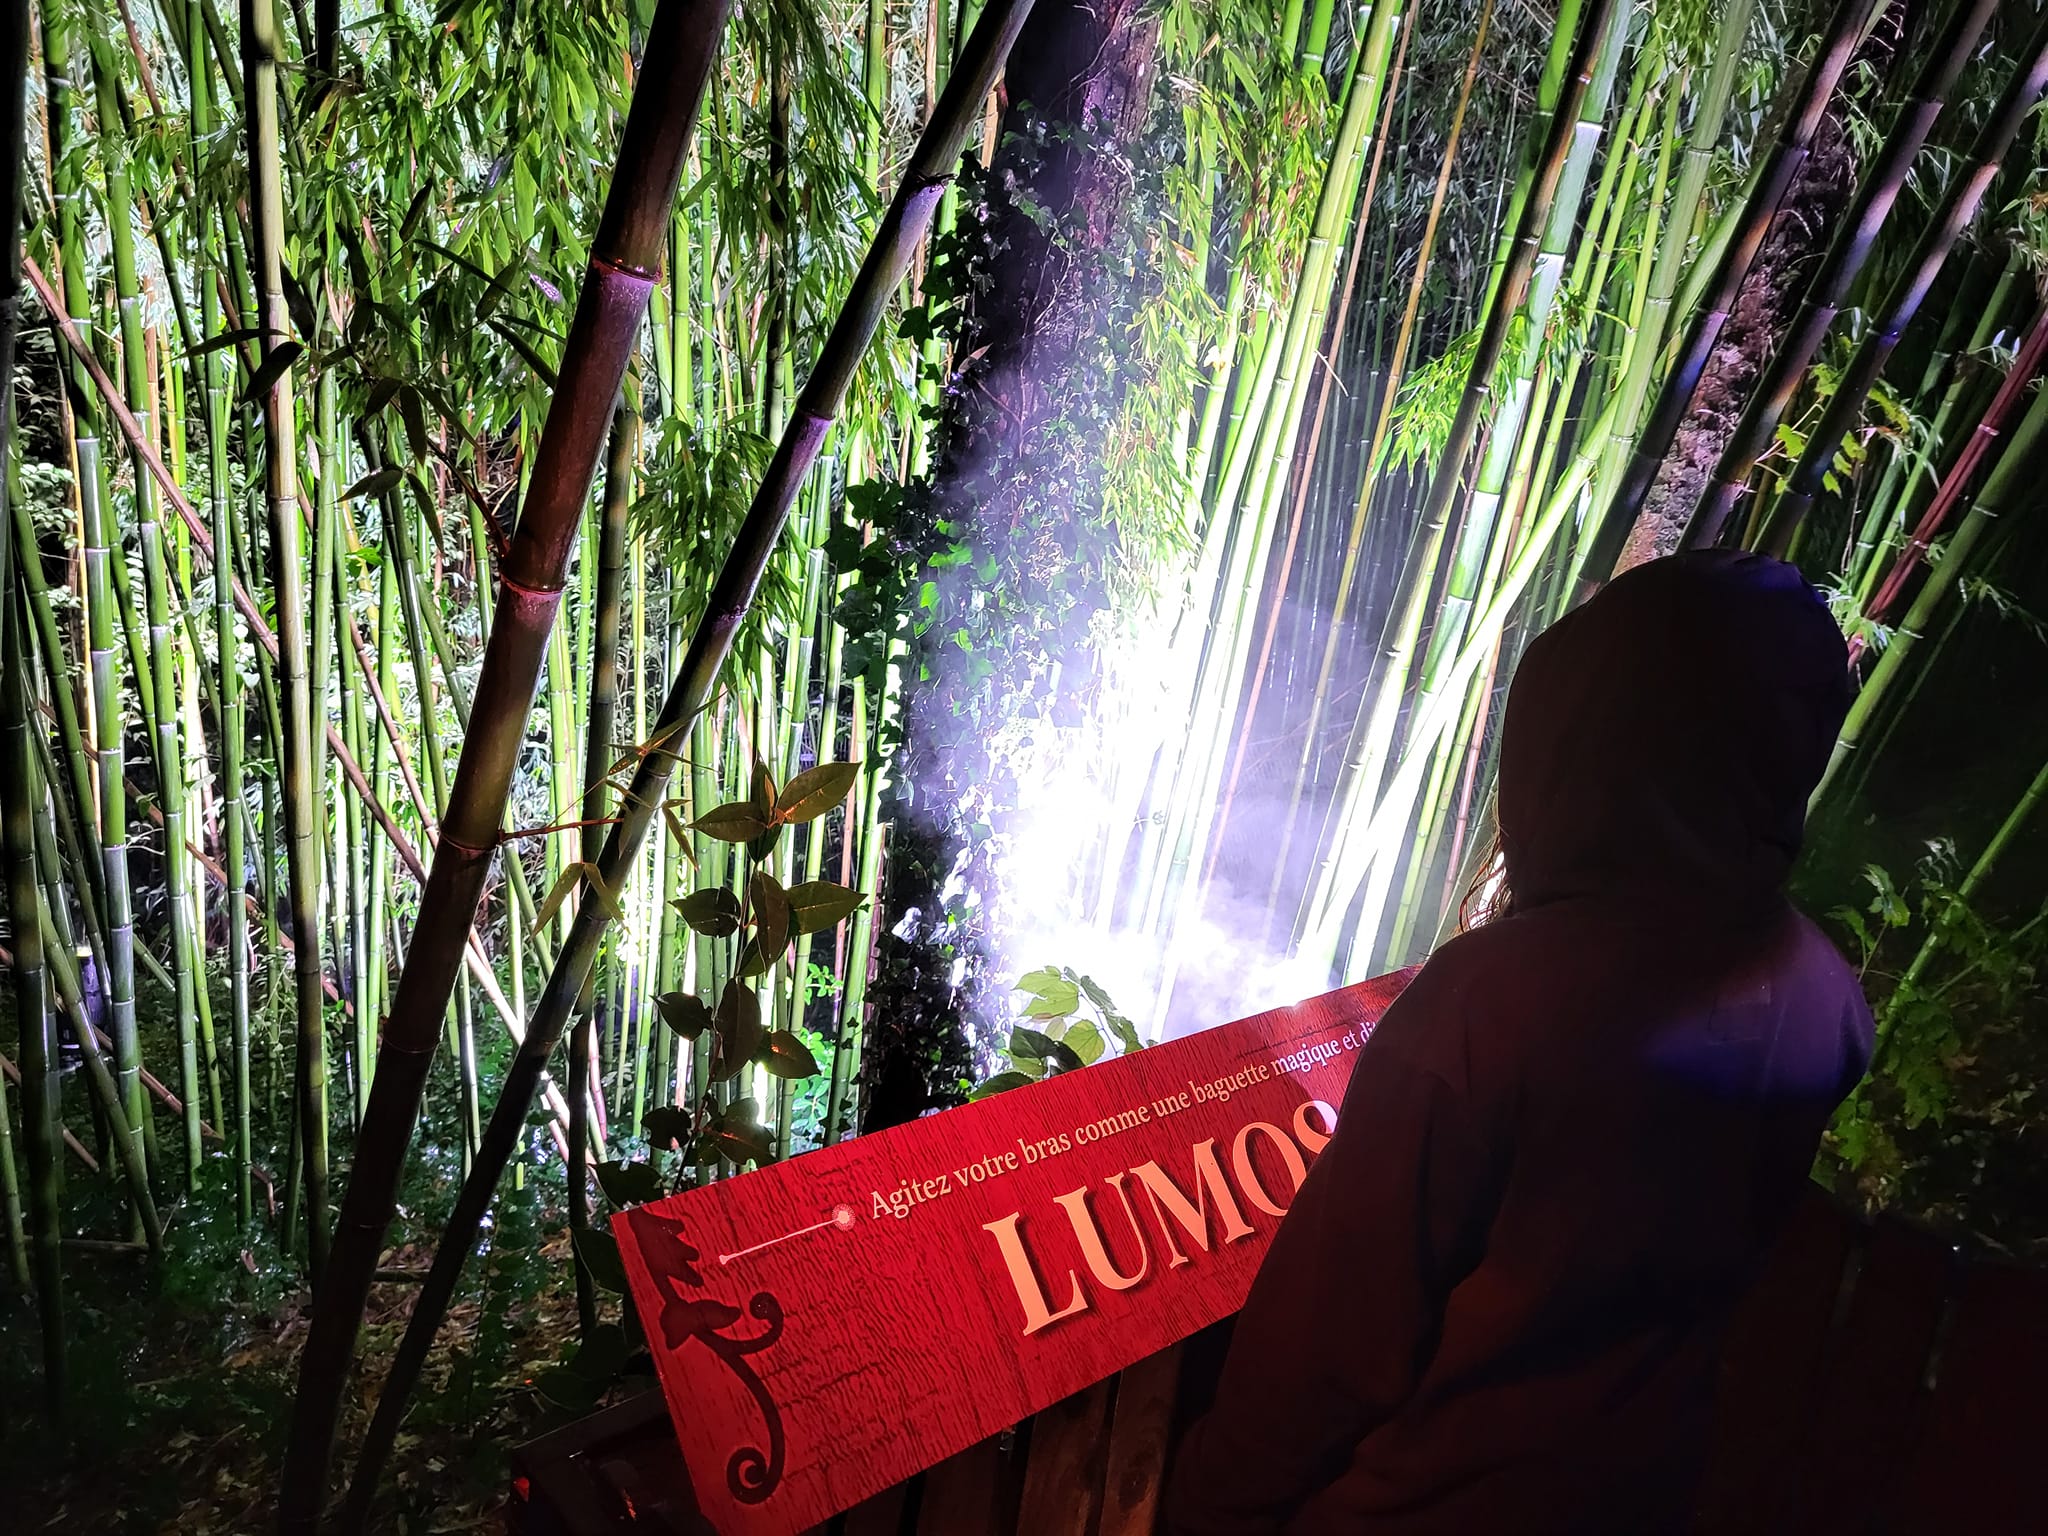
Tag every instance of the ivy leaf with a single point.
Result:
(1085, 1041)
(788, 1057)
(714, 911)
(818, 905)
(684, 1013)
(627, 1184)
(763, 797)
(743, 1141)
(1055, 1002)
(815, 791)
(771, 915)
(1000, 1083)
(738, 1022)
(1126, 1033)
(568, 1388)
(1052, 995)
(1030, 1045)
(599, 1252)
(734, 822)
(667, 1126)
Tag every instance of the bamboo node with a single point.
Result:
(611, 268)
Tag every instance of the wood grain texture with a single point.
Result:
(1140, 1428)
(832, 1325)
(1063, 1477)
(960, 1493)
(881, 1515)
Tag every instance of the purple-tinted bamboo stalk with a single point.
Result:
(1965, 196)
(1831, 285)
(902, 228)
(682, 46)
(1809, 109)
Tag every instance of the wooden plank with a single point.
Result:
(1768, 1368)
(1063, 1475)
(960, 1493)
(1871, 1380)
(881, 1515)
(836, 1323)
(1976, 1466)
(1139, 1431)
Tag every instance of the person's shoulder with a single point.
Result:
(1819, 960)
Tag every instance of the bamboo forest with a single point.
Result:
(597, 596)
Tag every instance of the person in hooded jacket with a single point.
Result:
(1496, 1302)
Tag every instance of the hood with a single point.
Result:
(1661, 741)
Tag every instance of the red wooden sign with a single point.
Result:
(831, 1325)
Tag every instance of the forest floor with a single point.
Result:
(180, 1396)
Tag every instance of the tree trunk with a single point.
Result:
(1016, 482)
(1770, 297)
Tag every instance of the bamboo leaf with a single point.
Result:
(269, 371)
(815, 791)
(375, 483)
(734, 822)
(421, 200)
(684, 1013)
(738, 1022)
(714, 911)
(818, 905)
(771, 915)
(607, 898)
(788, 1057)
(232, 338)
(558, 893)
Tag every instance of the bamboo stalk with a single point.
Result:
(1374, 733)
(18, 779)
(881, 274)
(1967, 187)
(2003, 491)
(1807, 110)
(681, 48)
(301, 790)
(1830, 287)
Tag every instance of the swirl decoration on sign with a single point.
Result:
(752, 1474)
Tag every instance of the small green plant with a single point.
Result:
(1062, 1036)
(1952, 1029)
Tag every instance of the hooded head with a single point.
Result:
(1661, 741)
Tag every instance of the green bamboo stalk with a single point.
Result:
(295, 750)
(1831, 286)
(2008, 487)
(1380, 710)
(39, 1098)
(162, 685)
(1908, 986)
(98, 556)
(881, 274)
(1389, 389)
